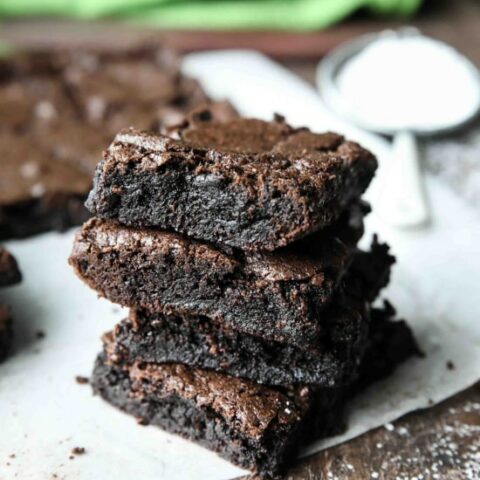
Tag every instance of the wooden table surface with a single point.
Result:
(441, 442)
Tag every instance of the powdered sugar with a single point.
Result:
(409, 82)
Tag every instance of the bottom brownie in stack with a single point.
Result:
(255, 426)
(255, 402)
(9, 275)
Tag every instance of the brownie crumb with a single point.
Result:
(450, 365)
(142, 421)
(40, 335)
(82, 380)
(78, 451)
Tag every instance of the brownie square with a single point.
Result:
(6, 334)
(277, 295)
(9, 271)
(60, 109)
(244, 183)
(199, 342)
(254, 426)
(9, 275)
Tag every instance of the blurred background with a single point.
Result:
(297, 33)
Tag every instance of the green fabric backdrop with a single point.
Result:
(212, 14)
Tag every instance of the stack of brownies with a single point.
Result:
(234, 245)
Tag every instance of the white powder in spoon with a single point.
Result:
(409, 83)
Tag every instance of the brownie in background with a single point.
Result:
(60, 109)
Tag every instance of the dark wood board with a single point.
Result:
(439, 443)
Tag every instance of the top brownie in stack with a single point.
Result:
(246, 183)
(58, 110)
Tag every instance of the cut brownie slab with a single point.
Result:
(6, 334)
(9, 272)
(254, 426)
(9, 275)
(60, 109)
(245, 183)
(197, 341)
(276, 295)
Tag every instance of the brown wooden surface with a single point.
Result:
(442, 442)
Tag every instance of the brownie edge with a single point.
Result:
(244, 183)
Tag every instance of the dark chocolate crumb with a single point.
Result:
(78, 451)
(40, 335)
(82, 380)
(142, 421)
(450, 365)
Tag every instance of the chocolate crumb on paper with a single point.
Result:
(79, 451)
(82, 380)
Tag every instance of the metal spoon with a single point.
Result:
(403, 202)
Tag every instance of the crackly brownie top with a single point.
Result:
(60, 109)
(250, 407)
(9, 272)
(259, 155)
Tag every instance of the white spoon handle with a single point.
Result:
(403, 202)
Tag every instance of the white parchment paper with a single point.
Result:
(44, 413)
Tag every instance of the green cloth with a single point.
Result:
(300, 15)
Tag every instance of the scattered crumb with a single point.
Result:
(78, 451)
(40, 334)
(82, 380)
(450, 365)
(12, 455)
(142, 421)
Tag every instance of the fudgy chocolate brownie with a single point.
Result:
(275, 295)
(254, 426)
(9, 275)
(9, 272)
(245, 183)
(199, 342)
(6, 334)
(60, 109)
